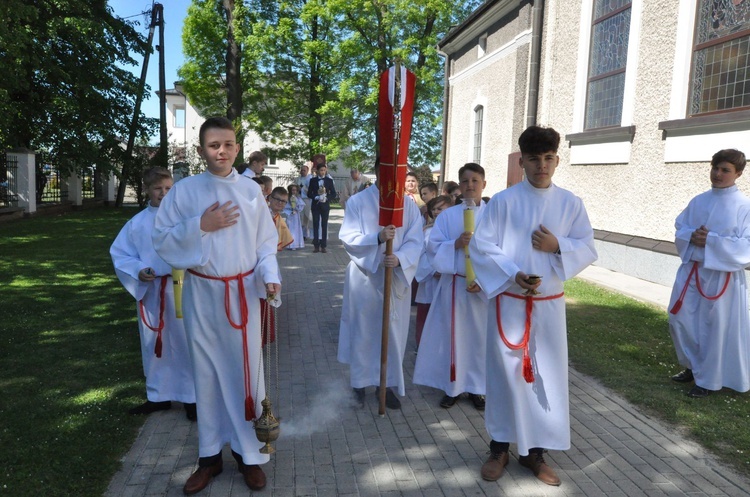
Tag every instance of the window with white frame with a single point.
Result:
(720, 73)
(478, 122)
(610, 32)
(179, 117)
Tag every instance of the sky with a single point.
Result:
(174, 16)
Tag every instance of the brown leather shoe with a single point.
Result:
(254, 476)
(493, 468)
(535, 462)
(202, 477)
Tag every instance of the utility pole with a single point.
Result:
(157, 19)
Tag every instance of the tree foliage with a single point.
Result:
(310, 70)
(65, 85)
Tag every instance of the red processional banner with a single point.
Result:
(395, 112)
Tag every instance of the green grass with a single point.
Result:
(69, 355)
(626, 345)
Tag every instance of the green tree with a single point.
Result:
(293, 43)
(66, 87)
(310, 70)
(378, 32)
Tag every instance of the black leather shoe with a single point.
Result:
(391, 401)
(148, 407)
(323, 250)
(478, 401)
(359, 396)
(202, 477)
(191, 412)
(447, 401)
(698, 392)
(684, 376)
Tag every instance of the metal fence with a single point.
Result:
(50, 188)
(8, 181)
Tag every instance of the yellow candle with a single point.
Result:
(469, 226)
(293, 201)
(177, 276)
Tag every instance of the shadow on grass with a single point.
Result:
(69, 352)
(626, 345)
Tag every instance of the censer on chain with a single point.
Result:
(267, 426)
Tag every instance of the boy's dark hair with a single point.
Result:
(450, 186)
(154, 175)
(538, 140)
(412, 173)
(257, 180)
(214, 122)
(279, 190)
(267, 180)
(731, 155)
(318, 166)
(432, 187)
(440, 199)
(471, 166)
(242, 167)
(256, 156)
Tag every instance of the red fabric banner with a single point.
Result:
(395, 112)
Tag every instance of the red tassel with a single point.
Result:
(453, 373)
(528, 371)
(157, 348)
(249, 409)
(676, 308)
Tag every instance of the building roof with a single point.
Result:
(477, 22)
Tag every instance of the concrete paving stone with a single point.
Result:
(425, 479)
(309, 491)
(132, 490)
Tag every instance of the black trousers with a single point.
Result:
(320, 213)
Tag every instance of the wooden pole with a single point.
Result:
(384, 337)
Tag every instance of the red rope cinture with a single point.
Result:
(242, 325)
(528, 370)
(694, 271)
(162, 304)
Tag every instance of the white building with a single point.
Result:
(642, 92)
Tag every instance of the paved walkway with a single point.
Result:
(330, 448)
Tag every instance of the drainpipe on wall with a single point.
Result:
(537, 25)
(446, 102)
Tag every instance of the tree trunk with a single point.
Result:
(233, 77)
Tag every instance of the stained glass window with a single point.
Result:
(721, 57)
(610, 32)
(478, 118)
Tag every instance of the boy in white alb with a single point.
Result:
(145, 275)
(533, 228)
(217, 226)
(452, 352)
(708, 317)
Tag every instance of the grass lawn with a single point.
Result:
(71, 366)
(626, 345)
(69, 355)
